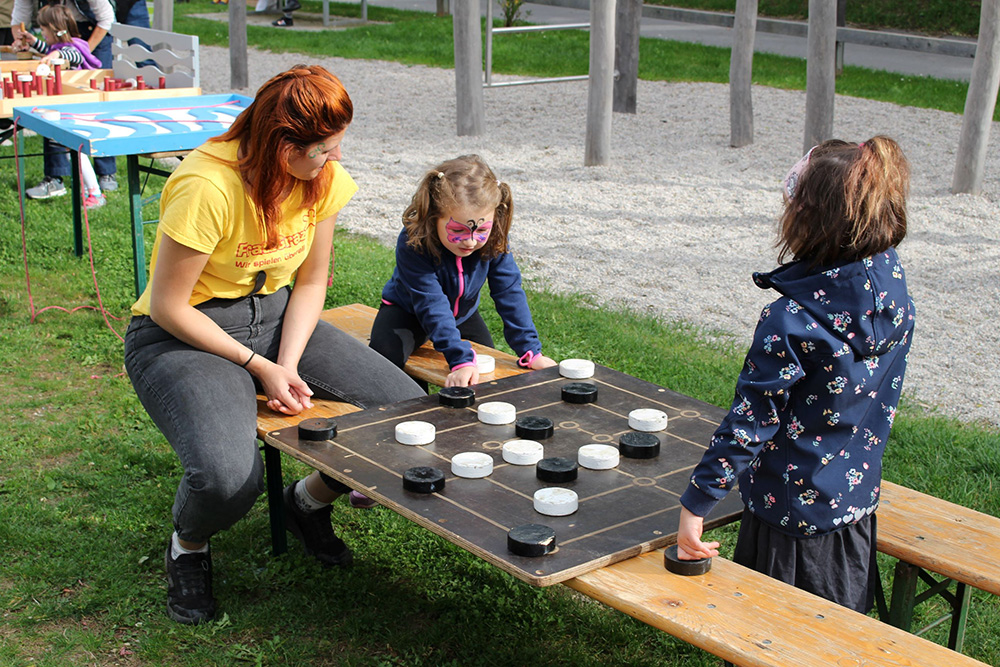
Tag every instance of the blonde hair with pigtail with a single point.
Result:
(849, 203)
(463, 182)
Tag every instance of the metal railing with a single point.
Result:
(490, 30)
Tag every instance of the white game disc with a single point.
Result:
(555, 501)
(523, 452)
(472, 465)
(485, 364)
(576, 369)
(496, 412)
(415, 433)
(647, 419)
(597, 457)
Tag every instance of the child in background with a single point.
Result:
(818, 392)
(454, 239)
(61, 41)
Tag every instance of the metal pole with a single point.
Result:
(489, 42)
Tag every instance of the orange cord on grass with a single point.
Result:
(90, 252)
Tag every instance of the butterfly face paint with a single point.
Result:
(463, 232)
(477, 230)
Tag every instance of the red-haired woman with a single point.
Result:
(242, 218)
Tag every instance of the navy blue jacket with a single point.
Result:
(815, 400)
(445, 293)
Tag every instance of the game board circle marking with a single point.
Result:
(690, 414)
(603, 437)
(569, 425)
(492, 444)
(644, 481)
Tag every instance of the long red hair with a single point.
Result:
(292, 110)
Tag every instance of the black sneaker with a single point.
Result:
(189, 588)
(313, 529)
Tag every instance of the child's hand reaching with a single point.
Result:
(689, 544)
(540, 361)
(463, 377)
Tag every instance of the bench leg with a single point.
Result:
(275, 501)
(905, 598)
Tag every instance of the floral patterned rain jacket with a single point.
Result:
(815, 400)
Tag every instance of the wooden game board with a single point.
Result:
(623, 512)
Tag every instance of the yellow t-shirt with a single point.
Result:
(204, 206)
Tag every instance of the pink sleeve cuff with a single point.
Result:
(526, 359)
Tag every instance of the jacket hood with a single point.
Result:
(832, 296)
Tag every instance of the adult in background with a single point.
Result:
(93, 19)
(244, 217)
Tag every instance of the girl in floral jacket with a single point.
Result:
(816, 399)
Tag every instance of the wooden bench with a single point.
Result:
(720, 612)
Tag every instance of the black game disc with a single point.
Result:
(579, 392)
(639, 445)
(317, 428)
(687, 568)
(423, 479)
(556, 470)
(457, 397)
(533, 428)
(531, 540)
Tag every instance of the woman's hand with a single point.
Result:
(689, 544)
(286, 392)
(540, 361)
(463, 377)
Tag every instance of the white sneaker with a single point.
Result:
(48, 188)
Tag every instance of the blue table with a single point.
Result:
(131, 128)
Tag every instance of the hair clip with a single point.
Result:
(498, 183)
(791, 180)
(60, 33)
(440, 174)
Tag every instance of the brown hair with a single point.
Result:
(850, 203)
(58, 19)
(292, 110)
(465, 181)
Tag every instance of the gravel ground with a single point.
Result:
(678, 222)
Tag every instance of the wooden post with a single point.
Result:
(442, 7)
(741, 74)
(820, 72)
(600, 87)
(841, 21)
(979, 103)
(468, 35)
(163, 15)
(238, 75)
(627, 15)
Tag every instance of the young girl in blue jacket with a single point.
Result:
(816, 399)
(454, 240)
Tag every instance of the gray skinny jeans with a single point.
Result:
(206, 406)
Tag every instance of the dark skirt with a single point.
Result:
(838, 566)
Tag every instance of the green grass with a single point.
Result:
(87, 481)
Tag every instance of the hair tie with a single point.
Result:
(498, 183)
(440, 174)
